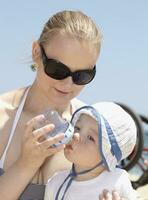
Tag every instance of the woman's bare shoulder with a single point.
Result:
(11, 99)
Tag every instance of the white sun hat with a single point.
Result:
(117, 131)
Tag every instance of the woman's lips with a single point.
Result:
(62, 92)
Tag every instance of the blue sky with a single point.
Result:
(122, 69)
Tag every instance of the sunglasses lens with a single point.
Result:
(56, 70)
(84, 77)
(59, 71)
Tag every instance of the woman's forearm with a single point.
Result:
(15, 179)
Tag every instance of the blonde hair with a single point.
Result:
(73, 23)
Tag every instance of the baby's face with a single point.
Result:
(85, 151)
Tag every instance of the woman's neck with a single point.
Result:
(37, 103)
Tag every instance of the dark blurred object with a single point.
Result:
(143, 179)
(136, 157)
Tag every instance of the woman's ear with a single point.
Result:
(36, 52)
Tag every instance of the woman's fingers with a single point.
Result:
(45, 148)
(52, 140)
(43, 132)
(37, 128)
(55, 149)
(36, 145)
(32, 125)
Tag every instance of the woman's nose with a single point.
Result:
(67, 80)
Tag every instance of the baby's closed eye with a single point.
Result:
(91, 138)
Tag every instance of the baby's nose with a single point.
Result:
(76, 138)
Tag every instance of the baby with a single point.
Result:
(104, 135)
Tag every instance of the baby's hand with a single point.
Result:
(106, 195)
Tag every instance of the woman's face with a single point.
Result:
(74, 54)
(85, 151)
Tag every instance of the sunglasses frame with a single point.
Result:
(67, 72)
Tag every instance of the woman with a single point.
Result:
(64, 59)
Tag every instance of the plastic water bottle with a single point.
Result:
(61, 126)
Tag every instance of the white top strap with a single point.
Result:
(16, 119)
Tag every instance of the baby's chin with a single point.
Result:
(68, 152)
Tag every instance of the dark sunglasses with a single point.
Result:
(59, 71)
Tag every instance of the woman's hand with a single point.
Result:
(36, 146)
(35, 149)
(106, 195)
